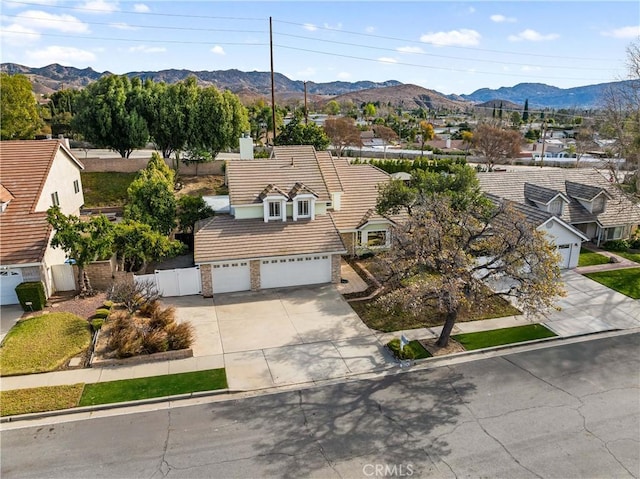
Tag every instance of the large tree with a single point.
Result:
(451, 258)
(84, 241)
(20, 119)
(496, 145)
(190, 210)
(427, 133)
(136, 244)
(297, 133)
(109, 114)
(386, 134)
(342, 132)
(151, 199)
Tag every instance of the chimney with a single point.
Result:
(246, 147)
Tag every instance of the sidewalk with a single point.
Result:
(620, 262)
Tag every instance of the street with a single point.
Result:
(566, 411)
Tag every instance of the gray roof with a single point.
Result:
(511, 185)
(584, 192)
(540, 194)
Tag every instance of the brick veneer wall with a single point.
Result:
(254, 272)
(335, 268)
(348, 240)
(206, 280)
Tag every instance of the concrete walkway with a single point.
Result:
(288, 337)
(620, 262)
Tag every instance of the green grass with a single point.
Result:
(591, 258)
(635, 257)
(498, 337)
(155, 386)
(49, 398)
(44, 343)
(625, 281)
(413, 350)
(105, 189)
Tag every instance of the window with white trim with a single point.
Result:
(55, 200)
(76, 186)
(376, 238)
(304, 209)
(274, 209)
(614, 233)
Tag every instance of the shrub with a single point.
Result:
(163, 318)
(616, 245)
(134, 294)
(96, 324)
(101, 313)
(107, 304)
(150, 309)
(179, 336)
(31, 292)
(406, 353)
(155, 341)
(635, 242)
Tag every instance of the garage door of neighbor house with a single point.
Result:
(565, 253)
(295, 271)
(9, 279)
(230, 277)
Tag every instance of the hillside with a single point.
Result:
(409, 97)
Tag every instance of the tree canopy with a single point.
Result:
(297, 133)
(20, 117)
(496, 145)
(342, 132)
(190, 210)
(136, 244)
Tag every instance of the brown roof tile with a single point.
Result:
(24, 166)
(225, 238)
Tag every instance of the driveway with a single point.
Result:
(9, 315)
(283, 336)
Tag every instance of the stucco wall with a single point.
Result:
(64, 171)
(123, 165)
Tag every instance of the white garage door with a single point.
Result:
(295, 271)
(9, 279)
(565, 253)
(230, 277)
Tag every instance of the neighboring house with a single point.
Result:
(34, 175)
(292, 218)
(582, 198)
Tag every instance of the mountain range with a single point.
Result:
(251, 85)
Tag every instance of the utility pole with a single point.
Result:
(273, 87)
(306, 112)
(544, 142)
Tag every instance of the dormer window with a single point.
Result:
(274, 210)
(598, 204)
(555, 207)
(304, 209)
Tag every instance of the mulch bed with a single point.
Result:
(435, 350)
(70, 302)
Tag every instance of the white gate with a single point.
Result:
(63, 277)
(175, 282)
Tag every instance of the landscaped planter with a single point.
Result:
(98, 362)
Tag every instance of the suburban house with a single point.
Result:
(581, 198)
(34, 175)
(292, 217)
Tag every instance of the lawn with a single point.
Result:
(105, 189)
(44, 343)
(590, 258)
(49, 398)
(155, 386)
(635, 257)
(625, 281)
(498, 337)
(414, 349)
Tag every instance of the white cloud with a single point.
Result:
(310, 26)
(370, 29)
(532, 36)
(122, 26)
(502, 19)
(218, 50)
(16, 34)
(344, 75)
(146, 49)
(410, 50)
(141, 8)
(39, 20)
(99, 6)
(338, 26)
(623, 32)
(387, 60)
(462, 37)
(59, 54)
(307, 72)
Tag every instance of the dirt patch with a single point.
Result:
(70, 302)
(435, 350)
(202, 185)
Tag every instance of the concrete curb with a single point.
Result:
(391, 369)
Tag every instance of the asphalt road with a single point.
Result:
(570, 411)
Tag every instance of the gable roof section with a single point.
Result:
(24, 167)
(584, 192)
(510, 185)
(271, 190)
(225, 238)
(540, 194)
(301, 189)
(5, 195)
(287, 166)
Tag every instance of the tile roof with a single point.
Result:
(361, 186)
(5, 195)
(510, 185)
(24, 167)
(225, 238)
(540, 194)
(287, 166)
(584, 192)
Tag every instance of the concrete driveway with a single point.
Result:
(283, 336)
(9, 315)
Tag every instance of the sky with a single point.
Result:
(447, 46)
